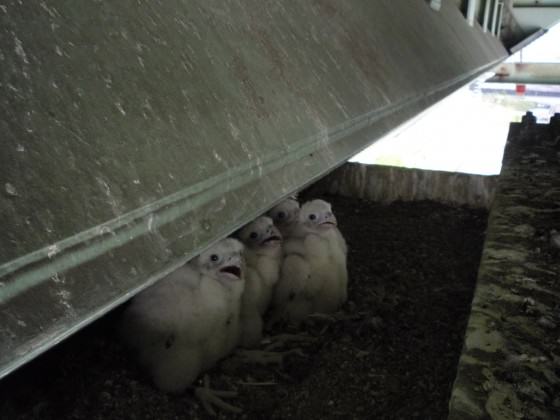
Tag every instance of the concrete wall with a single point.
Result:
(509, 368)
(386, 184)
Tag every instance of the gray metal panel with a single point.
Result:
(135, 133)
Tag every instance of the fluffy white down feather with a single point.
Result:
(285, 216)
(185, 323)
(263, 255)
(313, 275)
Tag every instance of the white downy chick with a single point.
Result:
(285, 216)
(189, 320)
(313, 275)
(263, 254)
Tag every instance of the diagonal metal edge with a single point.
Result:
(61, 333)
(529, 39)
(38, 266)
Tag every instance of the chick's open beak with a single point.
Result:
(273, 239)
(232, 270)
(329, 221)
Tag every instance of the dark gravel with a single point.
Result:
(390, 354)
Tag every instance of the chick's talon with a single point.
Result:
(209, 397)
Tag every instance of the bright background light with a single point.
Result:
(467, 131)
(543, 50)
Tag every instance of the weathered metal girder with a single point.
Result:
(136, 133)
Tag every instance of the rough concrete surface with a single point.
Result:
(510, 365)
(388, 183)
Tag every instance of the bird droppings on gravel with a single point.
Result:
(390, 354)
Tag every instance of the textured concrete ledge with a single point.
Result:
(510, 365)
(387, 183)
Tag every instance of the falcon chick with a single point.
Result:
(189, 320)
(285, 216)
(263, 254)
(313, 275)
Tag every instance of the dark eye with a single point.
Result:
(253, 235)
(281, 215)
(312, 217)
(214, 257)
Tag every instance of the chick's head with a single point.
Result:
(317, 215)
(222, 261)
(285, 212)
(260, 233)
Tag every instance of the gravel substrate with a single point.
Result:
(390, 354)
